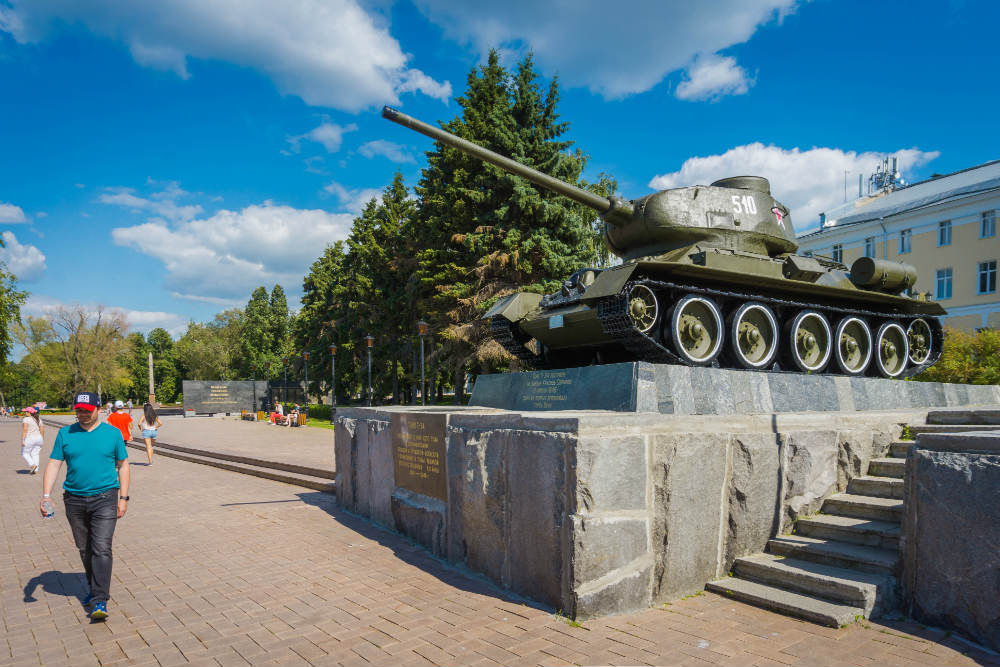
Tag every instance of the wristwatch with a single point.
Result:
(122, 497)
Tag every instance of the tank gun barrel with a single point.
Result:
(600, 204)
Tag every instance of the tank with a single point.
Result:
(710, 277)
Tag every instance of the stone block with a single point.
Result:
(478, 497)
(713, 393)
(679, 392)
(420, 518)
(751, 393)
(789, 392)
(611, 474)
(688, 506)
(951, 554)
(810, 470)
(845, 396)
(629, 591)
(754, 495)
(345, 445)
(854, 452)
(604, 544)
(539, 501)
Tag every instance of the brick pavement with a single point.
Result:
(306, 446)
(215, 568)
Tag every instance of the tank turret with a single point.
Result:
(710, 278)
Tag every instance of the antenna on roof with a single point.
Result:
(886, 177)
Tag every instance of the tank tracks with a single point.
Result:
(512, 339)
(612, 312)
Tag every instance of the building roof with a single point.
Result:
(936, 190)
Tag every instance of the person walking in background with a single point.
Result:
(32, 438)
(130, 406)
(149, 422)
(122, 421)
(95, 492)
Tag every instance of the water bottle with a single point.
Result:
(48, 508)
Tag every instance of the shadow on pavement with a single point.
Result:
(54, 582)
(416, 554)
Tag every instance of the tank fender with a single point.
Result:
(609, 282)
(515, 306)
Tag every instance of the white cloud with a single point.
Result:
(711, 77)
(615, 51)
(161, 203)
(228, 254)
(25, 261)
(352, 200)
(10, 214)
(807, 182)
(140, 320)
(386, 149)
(328, 52)
(330, 135)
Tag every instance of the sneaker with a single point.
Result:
(99, 612)
(34, 469)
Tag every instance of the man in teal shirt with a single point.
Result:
(95, 492)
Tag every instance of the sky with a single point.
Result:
(167, 158)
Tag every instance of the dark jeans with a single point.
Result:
(93, 519)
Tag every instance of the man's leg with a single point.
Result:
(103, 518)
(78, 515)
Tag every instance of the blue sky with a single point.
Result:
(166, 158)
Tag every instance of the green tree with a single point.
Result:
(209, 351)
(11, 300)
(967, 358)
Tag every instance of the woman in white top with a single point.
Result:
(31, 438)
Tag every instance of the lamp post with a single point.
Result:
(333, 381)
(267, 376)
(370, 339)
(284, 383)
(253, 371)
(422, 329)
(305, 363)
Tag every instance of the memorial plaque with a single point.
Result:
(216, 396)
(609, 387)
(418, 453)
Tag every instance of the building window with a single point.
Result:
(987, 277)
(838, 253)
(870, 246)
(943, 283)
(944, 232)
(905, 241)
(988, 224)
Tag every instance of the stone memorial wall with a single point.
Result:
(221, 396)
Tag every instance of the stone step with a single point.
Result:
(308, 471)
(887, 468)
(874, 593)
(776, 599)
(917, 429)
(881, 487)
(899, 448)
(835, 553)
(980, 416)
(864, 507)
(881, 534)
(297, 479)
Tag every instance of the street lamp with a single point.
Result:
(422, 329)
(305, 362)
(333, 381)
(370, 339)
(284, 383)
(253, 371)
(267, 376)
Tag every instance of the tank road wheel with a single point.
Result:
(696, 330)
(808, 339)
(853, 340)
(918, 336)
(643, 308)
(753, 335)
(892, 350)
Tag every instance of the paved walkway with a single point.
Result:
(306, 446)
(213, 568)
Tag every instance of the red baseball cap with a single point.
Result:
(87, 400)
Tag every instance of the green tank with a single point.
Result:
(710, 277)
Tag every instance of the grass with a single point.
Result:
(319, 423)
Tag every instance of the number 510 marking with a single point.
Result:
(744, 204)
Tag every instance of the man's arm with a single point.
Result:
(49, 480)
(123, 480)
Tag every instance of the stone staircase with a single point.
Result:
(842, 564)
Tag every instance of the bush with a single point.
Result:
(967, 358)
(319, 412)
